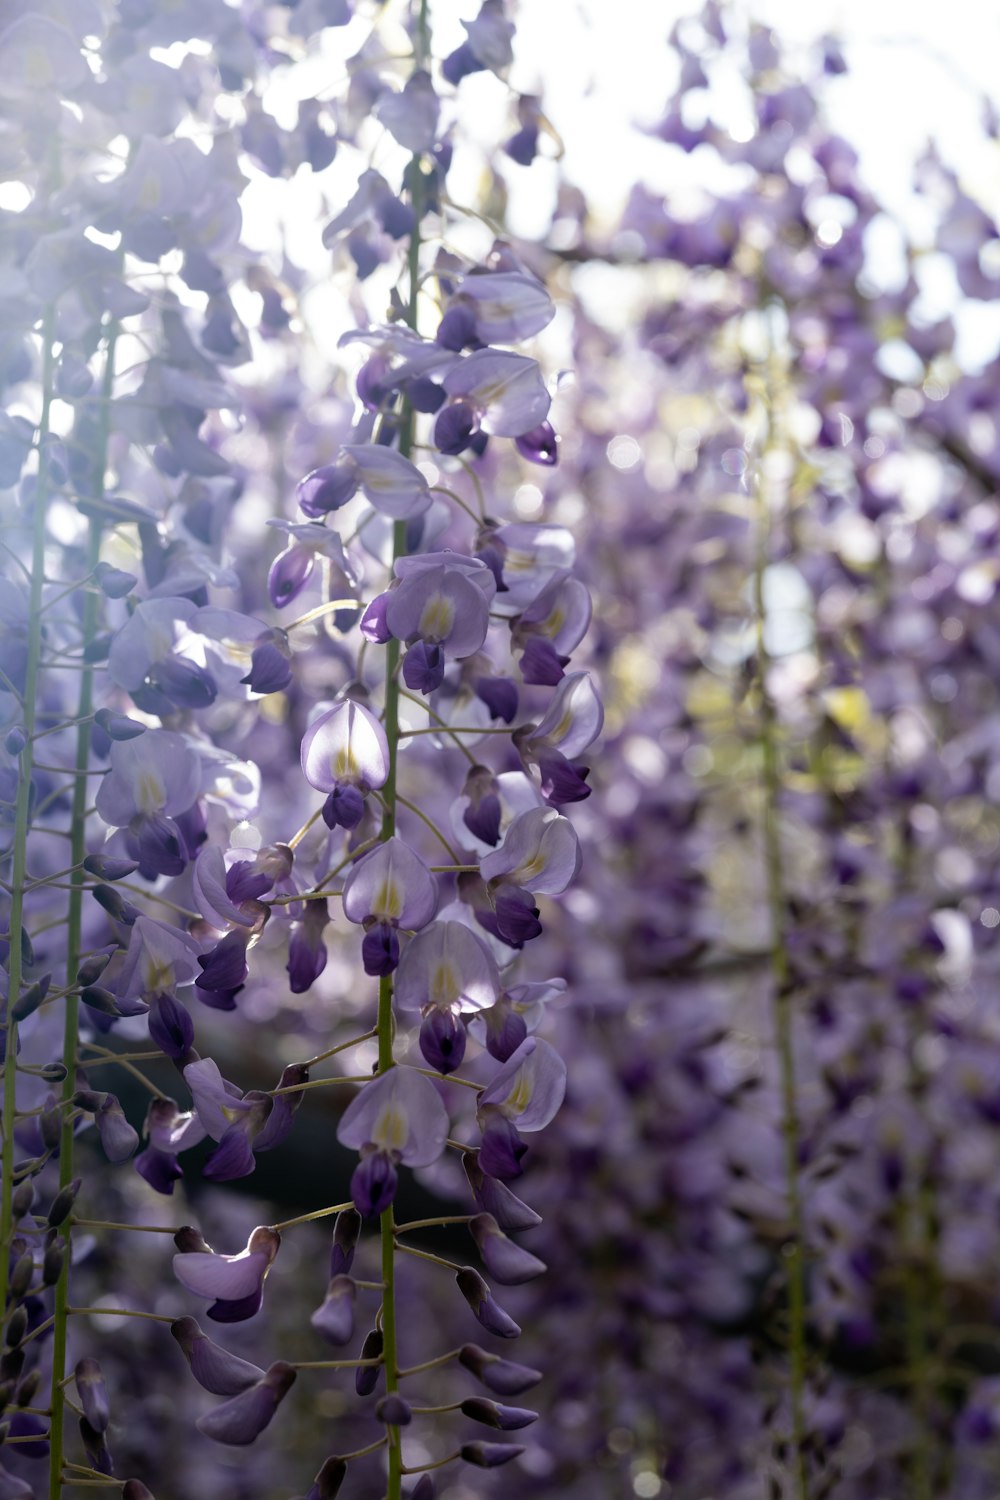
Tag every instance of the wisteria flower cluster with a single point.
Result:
(137, 693)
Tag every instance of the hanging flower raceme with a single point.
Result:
(397, 1118)
(389, 890)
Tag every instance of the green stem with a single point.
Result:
(15, 966)
(74, 934)
(781, 969)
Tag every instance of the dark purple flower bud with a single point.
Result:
(30, 999)
(394, 1411)
(346, 1232)
(184, 683)
(31, 1441)
(107, 867)
(380, 949)
(23, 1200)
(396, 218)
(334, 1318)
(479, 1297)
(115, 583)
(442, 1040)
(496, 1199)
(460, 64)
(243, 1419)
(423, 667)
(134, 1489)
(117, 908)
(424, 394)
(237, 1309)
(96, 1448)
(482, 816)
(505, 1261)
(562, 782)
(306, 949)
(62, 1203)
(423, 1489)
(505, 1030)
(539, 446)
(523, 145)
(502, 1148)
(224, 967)
(456, 426)
(159, 1168)
(515, 919)
(117, 726)
(366, 1377)
(489, 1455)
(170, 1026)
(16, 739)
(492, 1414)
(160, 846)
(52, 1263)
(500, 696)
(457, 329)
(344, 807)
(326, 1485)
(541, 664)
(499, 1375)
(17, 1327)
(233, 1157)
(327, 489)
(363, 253)
(92, 1392)
(21, 1276)
(373, 1183)
(214, 1368)
(270, 665)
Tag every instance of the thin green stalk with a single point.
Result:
(22, 818)
(783, 991)
(390, 724)
(74, 935)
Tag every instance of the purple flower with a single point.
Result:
(158, 959)
(447, 966)
(530, 1086)
(214, 1368)
(479, 1297)
(389, 889)
(504, 306)
(411, 116)
(334, 1318)
(235, 1282)
(242, 1419)
(505, 390)
(505, 1261)
(398, 1117)
(500, 1375)
(345, 746)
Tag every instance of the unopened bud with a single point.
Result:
(63, 1201)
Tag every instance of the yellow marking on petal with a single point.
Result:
(525, 874)
(391, 1130)
(519, 1098)
(388, 900)
(554, 622)
(345, 763)
(444, 987)
(150, 794)
(437, 618)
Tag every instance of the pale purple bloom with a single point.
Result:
(551, 627)
(447, 966)
(158, 959)
(399, 1113)
(411, 116)
(500, 1375)
(505, 306)
(334, 1318)
(441, 609)
(292, 569)
(540, 853)
(530, 1086)
(506, 391)
(574, 718)
(208, 879)
(489, 1312)
(528, 556)
(346, 745)
(159, 772)
(506, 1262)
(389, 889)
(390, 482)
